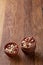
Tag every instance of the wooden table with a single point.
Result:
(23, 18)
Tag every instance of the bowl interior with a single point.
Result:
(6, 46)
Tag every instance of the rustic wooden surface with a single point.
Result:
(23, 18)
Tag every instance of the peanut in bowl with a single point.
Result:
(11, 49)
(28, 45)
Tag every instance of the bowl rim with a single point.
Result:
(29, 42)
(6, 47)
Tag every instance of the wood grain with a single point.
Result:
(23, 18)
(2, 15)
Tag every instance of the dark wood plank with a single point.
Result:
(15, 22)
(23, 18)
(37, 25)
